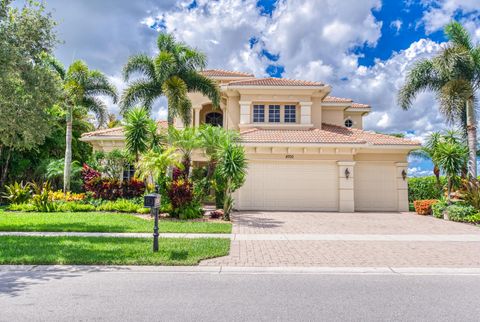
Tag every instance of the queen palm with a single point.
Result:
(173, 72)
(454, 76)
(82, 88)
(427, 151)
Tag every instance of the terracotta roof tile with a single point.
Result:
(224, 73)
(115, 131)
(334, 99)
(329, 134)
(358, 105)
(271, 81)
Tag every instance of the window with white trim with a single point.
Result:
(258, 113)
(348, 123)
(290, 114)
(274, 113)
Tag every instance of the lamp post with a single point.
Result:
(152, 201)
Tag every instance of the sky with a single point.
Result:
(362, 48)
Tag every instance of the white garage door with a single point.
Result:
(290, 185)
(375, 187)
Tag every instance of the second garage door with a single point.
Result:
(290, 185)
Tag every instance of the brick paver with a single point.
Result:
(346, 253)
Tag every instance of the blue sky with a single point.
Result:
(362, 48)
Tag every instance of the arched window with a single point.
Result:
(348, 123)
(214, 118)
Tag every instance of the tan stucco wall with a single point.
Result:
(333, 116)
(357, 119)
(233, 113)
(316, 112)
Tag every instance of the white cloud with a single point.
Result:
(441, 12)
(418, 172)
(397, 25)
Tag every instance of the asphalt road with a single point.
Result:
(159, 296)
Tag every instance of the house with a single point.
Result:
(307, 150)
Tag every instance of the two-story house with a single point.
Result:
(307, 150)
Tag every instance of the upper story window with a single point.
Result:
(348, 123)
(258, 113)
(274, 114)
(290, 114)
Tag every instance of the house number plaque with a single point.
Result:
(289, 156)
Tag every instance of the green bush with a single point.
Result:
(438, 208)
(17, 193)
(460, 212)
(424, 188)
(42, 197)
(191, 211)
(24, 207)
(473, 219)
(121, 205)
(74, 207)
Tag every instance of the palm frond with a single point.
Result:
(98, 84)
(140, 91)
(165, 65)
(452, 97)
(175, 90)
(139, 64)
(98, 107)
(458, 35)
(196, 82)
(166, 42)
(55, 65)
(421, 77)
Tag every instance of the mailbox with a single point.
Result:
(151, 200)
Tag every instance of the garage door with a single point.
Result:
(290, 185)
(375, 187)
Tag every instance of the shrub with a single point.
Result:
(112, 189)
(74, 207)
(424, 207)
(41, 197)
(471, 192)
(61, 196)
(17, 193)
(472, 219)
(191, 211)
(121, 205)
(25, 207)
(180, 194)
(438, 208)
(424, 188)
(460, 212)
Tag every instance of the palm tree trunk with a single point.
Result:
(449, 189)
(67, 170)
(472, 139)
(436, 171)
(170, 117)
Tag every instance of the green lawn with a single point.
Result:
(108, 251)
(101, 222)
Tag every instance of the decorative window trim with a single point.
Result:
(348, 123)
(258, 113)
(274, 113)
(290, 113)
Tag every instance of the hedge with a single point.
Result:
(424, 188)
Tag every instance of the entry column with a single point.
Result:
(346, 192)
(402, 185)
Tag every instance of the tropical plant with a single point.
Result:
(113, 121)
(232, 170)
(137, 129)
(17, 193)
(423, 188)
(154, 164)
(41, 198)
(82, 88)
(471, 192)
(451, 157)
(111, 164)
(428, 150)
(185, 141)
(55, 169)
(173, 72)
(454, 75)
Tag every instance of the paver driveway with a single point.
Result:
(325, 239)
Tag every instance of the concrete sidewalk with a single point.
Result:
(269, 237)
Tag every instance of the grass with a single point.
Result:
(101, 222)
(108, 251)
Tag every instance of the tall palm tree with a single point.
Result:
(137, 128)
(82, 88)
(454, 75)
(173, 72)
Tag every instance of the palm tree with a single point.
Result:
(185, 140)
(427, 151)
(112, 121)
(173, 72)
(154, 164)
(232, 169)
(82, 88)
(137, 130)
(451, 157)
(454, 75)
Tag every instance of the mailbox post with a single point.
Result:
(152, 201)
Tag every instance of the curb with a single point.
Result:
(236, 270)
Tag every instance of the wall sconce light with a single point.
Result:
(347, 173)
(404, 174)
